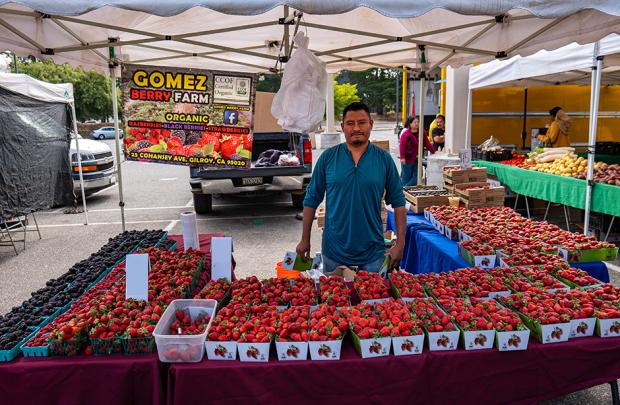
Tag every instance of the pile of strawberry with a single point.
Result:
(260, 326)
(302, 292)
(246, 291)
(539, 276)
(184, 325)
(327, 323)
(515, 278)
(370, 286)
(215, 290)
(431, 316)
(407, 284)
(438, 286)
(396, 315)
(334, 291)
(578, 301)
(540, 305)
(477, 248)
(576, 277)
(365, 324)
(275, 291)
(292, 324)
(467, 315)
(104, 313)
(226, 324)
(502, 319)
(606, 301)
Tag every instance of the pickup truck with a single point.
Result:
(205, 181)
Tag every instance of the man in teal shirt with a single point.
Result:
(354, 176)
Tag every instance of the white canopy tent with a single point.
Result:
(255, 35)
(49, 93)
(572, 64)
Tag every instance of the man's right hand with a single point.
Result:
(303, 250)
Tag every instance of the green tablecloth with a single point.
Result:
(557, 189)
(609, 159)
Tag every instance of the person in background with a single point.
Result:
(409, 151)
(557, 134)
(437, 133)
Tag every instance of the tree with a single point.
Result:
(377, 87)
(269, 82)
(92, 90)
(344, 94)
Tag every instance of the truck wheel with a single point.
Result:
(203, 203)
(298, 199)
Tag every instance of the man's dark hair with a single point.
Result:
(440, 116)
(355, 106)
(554, 111)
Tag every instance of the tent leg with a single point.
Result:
(36, 224)
(516, 201)
(8, 232)
(79, 158)
(468, 121)
(566, 217)
(611, 224)
(594, 100)
(547, 210)
(421, 131)
(615, 397)
(527, 206)
(119, 174)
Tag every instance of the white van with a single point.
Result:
(98, 166)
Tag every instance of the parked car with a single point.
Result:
(98, 168)
(90, 122)
(106, 133)
(205, 182)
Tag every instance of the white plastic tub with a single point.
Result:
(183, 348)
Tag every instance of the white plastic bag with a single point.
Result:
(299, 105)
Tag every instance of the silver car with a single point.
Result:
(106, 133)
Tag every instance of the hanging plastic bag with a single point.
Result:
(299, 105)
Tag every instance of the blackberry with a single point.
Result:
(192, 137)
(179, 134)
(140, 145)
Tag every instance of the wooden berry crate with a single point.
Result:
(455, 175)
(418, 203)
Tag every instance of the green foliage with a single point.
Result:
(376, 87)
(269, 83)
(92, 90)
(344, 94)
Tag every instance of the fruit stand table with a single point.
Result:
(541, 372)
(557, 189)
(427, 250)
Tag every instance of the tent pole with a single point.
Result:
(421, 136)
(79, 159)
(594, 100)
(524, 130)
(404, 98)
(119, 174)
(468, 121)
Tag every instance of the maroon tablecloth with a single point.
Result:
(118, 379)
(463, 377)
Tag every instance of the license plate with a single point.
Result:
(252, 181)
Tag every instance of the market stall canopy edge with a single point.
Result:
(247, 35)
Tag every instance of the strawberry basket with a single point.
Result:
(138, 345)
(111, 345)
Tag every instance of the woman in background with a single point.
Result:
(409, 151)
(557, 134)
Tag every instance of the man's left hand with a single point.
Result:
(396, 254)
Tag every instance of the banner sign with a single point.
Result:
(188, 116)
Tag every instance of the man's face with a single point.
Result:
(356, 126)
(440, 123)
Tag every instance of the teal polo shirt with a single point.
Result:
(353, 232)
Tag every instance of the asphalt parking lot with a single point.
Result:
(263, 229)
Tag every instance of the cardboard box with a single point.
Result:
(373, 347)
(608, 327)
(476, 340)
(590, 255)
(408, 345)
(483, 261)
(221, 350)
(418, 204)
(582, 327)
(320, 217)
(327, 350)
(254, 352)
(439, 341)
(456, 175)
(545, 334)
(451, 233)
(512, 340)
(291, 351)
(385, 144)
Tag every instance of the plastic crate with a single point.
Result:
(36, 351)
(11, 354)
(184, 348)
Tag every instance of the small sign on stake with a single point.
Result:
(137, 268)
(221, 258)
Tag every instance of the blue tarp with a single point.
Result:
(428, 251)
